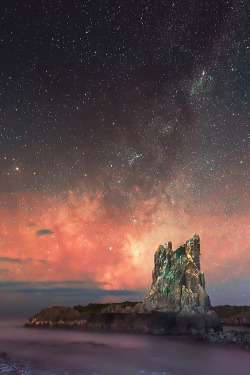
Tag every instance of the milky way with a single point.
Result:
(123, 126)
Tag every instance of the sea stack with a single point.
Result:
(178, 284)
(176, 304)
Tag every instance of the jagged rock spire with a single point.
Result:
(193, 248)
(178, 284)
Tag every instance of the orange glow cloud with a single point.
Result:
(79, 238)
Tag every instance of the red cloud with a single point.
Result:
(83, 239)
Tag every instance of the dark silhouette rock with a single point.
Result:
(233, 315)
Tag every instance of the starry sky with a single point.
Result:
(123, 125)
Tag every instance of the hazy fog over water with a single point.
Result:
(74, 352)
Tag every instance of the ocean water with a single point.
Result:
(66, 352)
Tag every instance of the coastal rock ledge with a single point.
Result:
(176, 304)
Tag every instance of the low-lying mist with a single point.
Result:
(52, 351)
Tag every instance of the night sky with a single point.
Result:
(123, 125)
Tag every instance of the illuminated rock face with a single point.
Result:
(178, 284)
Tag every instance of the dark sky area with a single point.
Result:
(123, 124)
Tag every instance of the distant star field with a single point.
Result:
(123, 125)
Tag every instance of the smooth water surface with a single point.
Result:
(74, 352)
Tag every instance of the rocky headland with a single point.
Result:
(176, 304)
(233, 315)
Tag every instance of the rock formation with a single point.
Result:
(178, 284)
(177, 302)
(177, 290)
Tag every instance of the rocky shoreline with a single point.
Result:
(156, 322)
(13, 366)
(237, 338)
